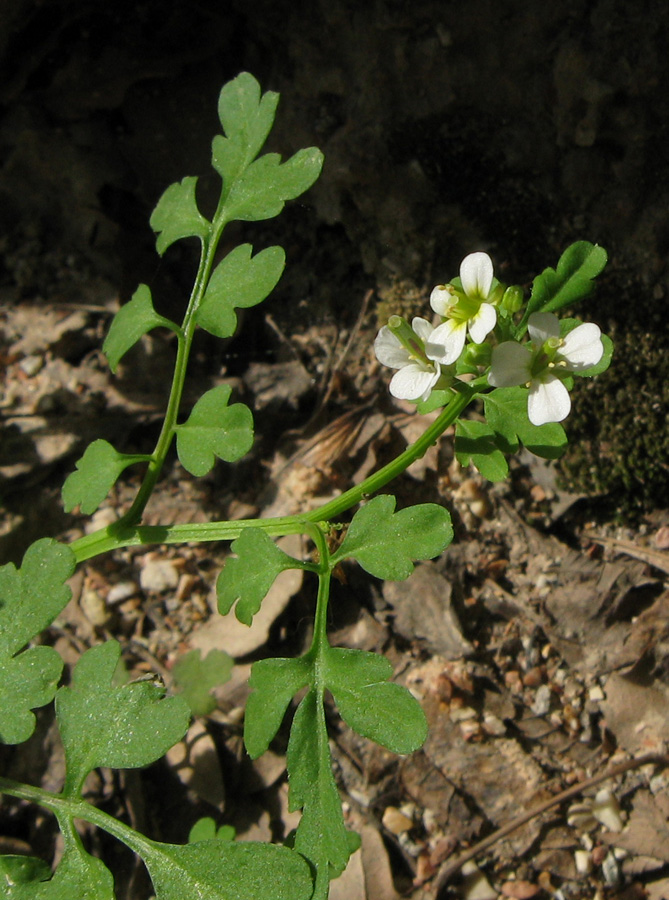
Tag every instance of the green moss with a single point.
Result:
(619, 440)
(401, 297)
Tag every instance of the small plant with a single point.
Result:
(477, 352)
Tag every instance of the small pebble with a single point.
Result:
(121, 591)
(159, 575)
(31, 365)
(542, 700)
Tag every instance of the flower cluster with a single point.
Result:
(426, 355)
(420, 352)
(543, 366)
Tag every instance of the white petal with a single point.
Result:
(510, 365)
(476, 275)
(441, 300)
(446, 341)
(548, 401)
(543, 326)
(389, 350)
(482, 323)
(582, 347)
(422, 327)
(412, 382)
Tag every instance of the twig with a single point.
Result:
(449, 870)
(656, 558)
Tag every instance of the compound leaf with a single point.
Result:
(213, 430)
(476, 443)
(248, 577)
(376, 709)
(120, 727)
(506, 414)
(220, 870)
(238, 281)
(570, 281)
(30, 599)
(95, 475)
(197, 676)
(262, 190)
(177, 216)
(78, 876)
(134, 319)
(274, 683)
(385, 543)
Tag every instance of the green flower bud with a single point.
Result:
(477, 355)
(513, 299)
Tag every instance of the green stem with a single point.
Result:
(66, 809)
(184, 341)
(126, 534)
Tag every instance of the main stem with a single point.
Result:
(125, 533)
(184, 342)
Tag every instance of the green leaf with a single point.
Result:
(95, 475)
(238, 281)
(374, 708)
(120, 727)
(571, 281)
(78, 877)
(217, 870)
(134, 319)
(205, 830)
(177, 216)
(248, 577)
(476, 444)
(436, 400)
(321, 835)
(196, 677)
(262, 190)
(274, 683)
(385, 543)
(506, 413)
(15, 869)
(30, 599)
(214, 429)
(247, 119)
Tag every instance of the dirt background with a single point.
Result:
(511, 127)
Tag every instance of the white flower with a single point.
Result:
(418, 369)
(465, 310)
(543, 365)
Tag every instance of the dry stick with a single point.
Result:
(447, 871)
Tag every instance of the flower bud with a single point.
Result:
(513, 298)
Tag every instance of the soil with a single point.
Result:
(538, 642)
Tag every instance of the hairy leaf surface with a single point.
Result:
(218, 870)
(122, 727)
